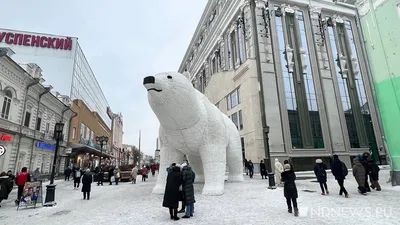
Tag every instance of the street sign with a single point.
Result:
(2, 150)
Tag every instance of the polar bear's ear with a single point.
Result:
(186, 74)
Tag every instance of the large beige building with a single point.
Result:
(314, 106)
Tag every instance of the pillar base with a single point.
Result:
(395, 178)
(50, 195)
(271, 181)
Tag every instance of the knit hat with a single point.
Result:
(318, 161)
(287, 167)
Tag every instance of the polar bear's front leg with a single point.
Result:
(167, 157)
(214, 165)
(197, 167)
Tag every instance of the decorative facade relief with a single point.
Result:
(191, 125)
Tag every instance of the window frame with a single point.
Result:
(6, 108)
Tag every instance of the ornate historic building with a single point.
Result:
(317, 91)
(29, 112)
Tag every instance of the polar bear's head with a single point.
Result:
(171, 95)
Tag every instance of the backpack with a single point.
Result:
(78, 173)
(345, 171)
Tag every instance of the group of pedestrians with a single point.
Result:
(179, 187)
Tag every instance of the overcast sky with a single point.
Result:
(123, 41)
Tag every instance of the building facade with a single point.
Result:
(383, 48)
(64, 62)
(317, 92)
(85, 126)
(28, 117)
(117, 129)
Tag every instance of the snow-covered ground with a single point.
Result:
(245, 203)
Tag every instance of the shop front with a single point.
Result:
(88, 156)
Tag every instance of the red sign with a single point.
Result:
(5, 137)
(36, 41)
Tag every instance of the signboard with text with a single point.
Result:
(46, 146)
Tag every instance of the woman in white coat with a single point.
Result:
(278, 171)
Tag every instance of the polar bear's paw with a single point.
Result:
(235, 178)
(159, 189)
(213, 190)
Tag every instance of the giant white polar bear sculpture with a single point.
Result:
(191, 125)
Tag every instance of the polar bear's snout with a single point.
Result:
(149, 80)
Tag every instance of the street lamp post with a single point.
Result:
(51, 188)
(101, 140)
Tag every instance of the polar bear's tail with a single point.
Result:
(234, 157)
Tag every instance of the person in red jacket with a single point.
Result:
(144, 173)
(22, 178)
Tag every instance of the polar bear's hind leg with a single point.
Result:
(234, 159)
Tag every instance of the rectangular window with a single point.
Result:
(234, 118)
(82, 133)
(241, 43)
(240, 120)
(87, 137)
(228, 102)
(73, 132)
(233, 99)
(92, 137)
(243, 147)
(239, 99)
(38, 123)
(27, 119)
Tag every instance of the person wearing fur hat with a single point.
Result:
(290, 189)
(320, 172)
(87, 180)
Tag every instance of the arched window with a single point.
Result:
(5, 111)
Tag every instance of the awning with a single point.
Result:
(83, 149)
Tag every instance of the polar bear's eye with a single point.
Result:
(169, 77)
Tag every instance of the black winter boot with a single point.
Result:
(296, 212)
(290, 210)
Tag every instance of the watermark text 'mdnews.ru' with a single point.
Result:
(335, 212)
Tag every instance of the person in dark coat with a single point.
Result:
(290, 189)
(6, 186)
(320, 172)
(359, 173)
(374, 174)
(67, 173)
(110, 174)
(188, 189)
(100, 176)
(263, 170)
(364, 161)
(339, 171)
(251, 168)
(172, 193)
(87, 180)
(246, 166)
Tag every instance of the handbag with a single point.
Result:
(112, 179)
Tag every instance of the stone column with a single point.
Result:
(208, 74)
